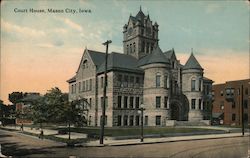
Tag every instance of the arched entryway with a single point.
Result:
(175, 112)
(178, 111)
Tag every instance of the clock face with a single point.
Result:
(130, 30)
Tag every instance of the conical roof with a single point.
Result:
(192, 63)
(156, 56)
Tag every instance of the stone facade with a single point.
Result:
(142, 76)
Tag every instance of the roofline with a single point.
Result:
(121, 69)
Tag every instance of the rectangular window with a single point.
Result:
(119, 120)
(126, 81)
(90, 103)
(245, 104)
(106, 102)
(125, 102)
(102, 81)
(246, 91)
(137, 102)
(131, 102)
(200, 85)
(125, 120)
(193, 85)
(193, 103)
(87, 85)
(146, 121)
(158, 101)
(200, 104)
(165, 102)
(137, 120)
(233, 117)
(137, 80)
(131, 120)
(166, 82)
(158, 81)
(90, 84)
(158, 120)
(80, 88)
(83, 86)
(119, 101)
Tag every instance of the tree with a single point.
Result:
(15, 97)
(55, 101)
(6, 113)
(75, 113)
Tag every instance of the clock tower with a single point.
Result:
(140, 35)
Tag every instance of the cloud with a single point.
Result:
(70, 23)
(221, 65)
(26, 31)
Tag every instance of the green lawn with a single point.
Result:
(136, 130)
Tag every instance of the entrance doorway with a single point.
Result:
(175, 112)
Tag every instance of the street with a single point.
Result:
(16, 144)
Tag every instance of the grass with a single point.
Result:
(136, 131)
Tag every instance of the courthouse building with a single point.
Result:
(142, 74)
(228, 99)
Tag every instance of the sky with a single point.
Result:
(43, 50)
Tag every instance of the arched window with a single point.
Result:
(85, 64)
(158, 80)
(166, 81)
(193, 88)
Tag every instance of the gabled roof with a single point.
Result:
(73, 79)
(118, 61)
(97, 57)
(140, 15)
(192, 63)
(170, 54)
(156, 56)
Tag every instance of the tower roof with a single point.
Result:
(140, 15)
(156, 56)
(192, 63)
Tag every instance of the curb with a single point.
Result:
(165, 141)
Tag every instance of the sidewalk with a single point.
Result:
(160, 140)
(73, 135)
(116, 142)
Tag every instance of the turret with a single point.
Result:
(192, 85)
(156, 86)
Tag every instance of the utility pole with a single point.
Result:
(104, 92)
(242, 111)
